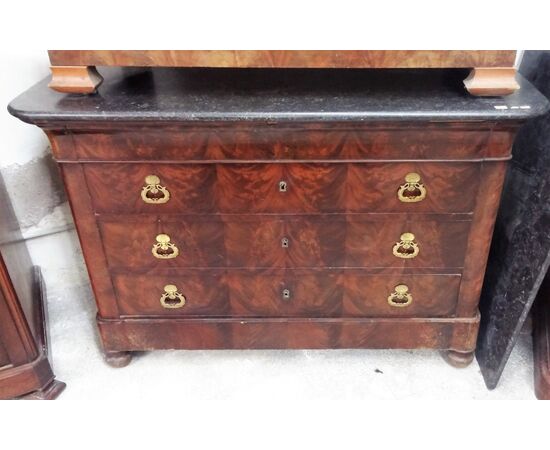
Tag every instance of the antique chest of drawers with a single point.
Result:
(283, 208)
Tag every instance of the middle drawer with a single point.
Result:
(364, 240)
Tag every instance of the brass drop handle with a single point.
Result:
(406, 248)
(171, 298)
(413, 190)
(400, 297)
(153, 192)
(164, 249)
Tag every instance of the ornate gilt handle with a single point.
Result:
(400, 297)
(406, 248)
(171, 298)
(413, 190)
(164, 249)
(153, 192)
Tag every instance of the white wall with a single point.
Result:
(34, 188)
(20, 70)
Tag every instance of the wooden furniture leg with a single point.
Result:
(491, 81)
(75, 79)
(35, 380)
(458, 359)
(118, 359)
(49, 392)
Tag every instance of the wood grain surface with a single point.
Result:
(254, 187)
(339, 214)
(321, 293)
(289, 333)
(286, 58)
(301, 142)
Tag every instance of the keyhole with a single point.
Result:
(286, 294)
(282, 186)
(284, 242)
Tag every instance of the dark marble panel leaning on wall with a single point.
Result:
(520, 250)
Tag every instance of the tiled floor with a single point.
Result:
(268, 375)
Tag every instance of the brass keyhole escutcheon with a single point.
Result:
(400, 297)
(153, 192)
(283, 186)
(413, 190)
(286, 294)
(406, 248)
(285, 242)
(164, 249)
(171, 298)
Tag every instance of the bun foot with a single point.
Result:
(458, 359)
(49, 392)
(118, 359)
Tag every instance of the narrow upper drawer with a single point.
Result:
(433, 141)
(283, 188)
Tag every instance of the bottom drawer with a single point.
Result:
(286, 293)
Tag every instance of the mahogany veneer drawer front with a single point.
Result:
(276, 143)
(275, 209)
(288, 294)
(284, 241)
(282, 188)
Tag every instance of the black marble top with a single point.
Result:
(275, 95)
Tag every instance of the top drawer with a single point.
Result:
(283, 188)
(265, 143)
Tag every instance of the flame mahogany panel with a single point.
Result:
(311, 241)
(239, 188)
(337, 294)
(265, 143)
(205, 291)
(285, 58)
(116, 188)
(128, 242)
(293, 333)
(442, 242)
(321, 293)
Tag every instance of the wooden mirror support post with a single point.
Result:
(75, 79)
(492, 71)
